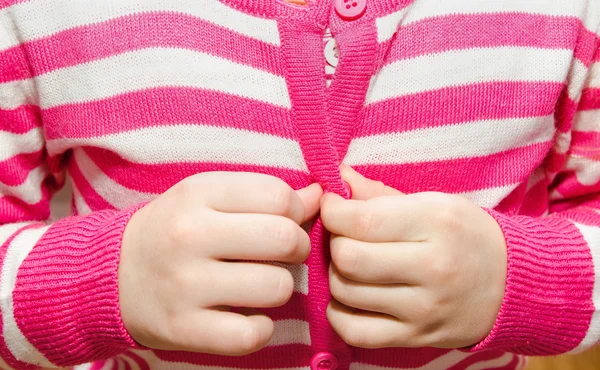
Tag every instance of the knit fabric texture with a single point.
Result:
(497, 101)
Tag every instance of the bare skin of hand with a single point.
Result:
(187, 257)
(419, 270)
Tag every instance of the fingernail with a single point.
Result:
(348, 190)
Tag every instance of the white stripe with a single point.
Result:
(114, 193)
(108, 364)
(562, 141)
(465, 140)
(146, 69)
(194, 143)
(587, 121)
(12, 144)
(83, 366)
(492, 364)
(30, 191)
(6, 231)
(132, 364)
(469, 66)
(290, 332)
(80, 205)
(586, 169)
(154, 362)
(436, 8)
(591, 234)
(37, 19)
(491, 197)
(299, 273)
(120, 363)
(388, 25)
(443, 362)
(16, 342)
(594, 77)
(576, 78)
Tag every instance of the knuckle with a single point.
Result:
(339, 290)
(444, 269)
(285, 235)
(355, 336)
(364, 225)
(180, 230)
(250, 341)
(282, 198)
(284, 287)
(449, 216)
(347, 259)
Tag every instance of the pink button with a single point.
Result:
(324, 361)
(350, 9)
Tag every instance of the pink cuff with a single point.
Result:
(66, 299)
(547, 306)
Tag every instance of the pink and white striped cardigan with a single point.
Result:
(497, 100)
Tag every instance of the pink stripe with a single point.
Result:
(511, 203)
(15, 210)
(485, 101)
(14, 171)
(588, 141)
(511, 365)
(84, 44)
(5, 353)
(165, 106)
(570, 187)
(475, 358)
(586, 216)
(20, 120)
(142, 364)
(460, 175)
(590, 99)
(289, 355)
(97, 365)
(7, 3)
(295, 309)
(157, 178)
(565, 111)
(92, 198)
(535, 202)
(490, 30)
(394, 357)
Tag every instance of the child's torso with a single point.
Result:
(454, 96)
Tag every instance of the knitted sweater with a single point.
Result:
(496, 100)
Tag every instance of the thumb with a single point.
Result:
(311, 198)
(364, 188)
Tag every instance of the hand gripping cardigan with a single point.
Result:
(498, 101)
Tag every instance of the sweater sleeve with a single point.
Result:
(552, 298)
(58, 281)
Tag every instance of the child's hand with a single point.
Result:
(418, 270)
(178, 273)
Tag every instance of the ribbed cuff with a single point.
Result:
(547, 306)
(66, 298)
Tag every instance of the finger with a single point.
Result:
(364, 188)
(388, 299)
(311, 198)
(254, 237)
(368, 329)
(222, 333)
(241, 192)
(380, 263)
(243, 284)
(382, 219)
